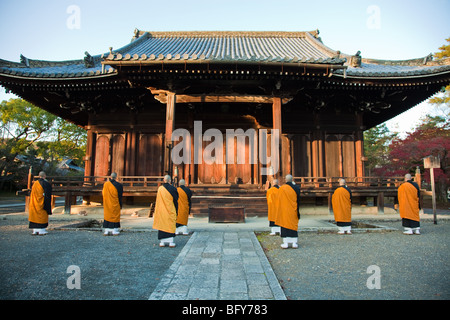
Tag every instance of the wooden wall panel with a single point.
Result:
(150, 155)
(332, 161)
(212, 173)
(239, 172)
(102, 156)
(348, 154)
(118, 154)
(301, 155)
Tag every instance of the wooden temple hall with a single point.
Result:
(131, 99)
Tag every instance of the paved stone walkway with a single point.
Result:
(220, 265)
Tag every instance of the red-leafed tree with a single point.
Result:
(432, 137)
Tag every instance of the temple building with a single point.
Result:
(131, 99)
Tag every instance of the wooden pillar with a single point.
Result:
(170, 122)
(330, 205)
(276, 117)
(341, 158)
(29, 185)
(380, 203)
(317, 149)
(90, 152)
(131, 149)
(68, 202)
(359, 148)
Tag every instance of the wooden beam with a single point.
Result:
(163, 96)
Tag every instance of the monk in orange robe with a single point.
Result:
(166, 209)
(112, 204)
(342, 207)
(184, 208)
(40, 206)
(272, 206)
(288, 212)
(409, 205)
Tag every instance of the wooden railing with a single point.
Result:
(142, 182)
(69, 187)
(352, 182)
(96, 182)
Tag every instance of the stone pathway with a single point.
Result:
(220, 265)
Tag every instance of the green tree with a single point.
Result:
(32, 133)
(376, 147)
(22, 125)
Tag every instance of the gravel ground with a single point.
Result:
(125, 267)
(331, 266)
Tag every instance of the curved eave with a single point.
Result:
(223, 62)
(394, 77)
(90, 77)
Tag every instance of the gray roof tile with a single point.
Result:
(221, 47)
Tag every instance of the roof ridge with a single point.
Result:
(203, 34)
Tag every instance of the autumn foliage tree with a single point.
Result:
(432, 137)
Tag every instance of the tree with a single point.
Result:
(376, 147)
(33, 133)
(444, 98)
(431, 137)
(445, 51)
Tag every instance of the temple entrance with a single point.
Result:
(231, 164)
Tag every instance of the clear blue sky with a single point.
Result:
(397, 29)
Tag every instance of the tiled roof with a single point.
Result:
(49, 69)
(223, 46)
(398, 68)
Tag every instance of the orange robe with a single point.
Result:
(342, 205)
(112, 199)
(165, 216)
(408, 201)
(184, 205)
(40, 204)
(272, 203)
(288, 201)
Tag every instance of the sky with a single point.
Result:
(63, 30)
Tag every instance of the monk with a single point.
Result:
(166, 209)
(112, 204)
(409, 205)
(342, 208)
(288, 212)
(184, 208)
(272, 206)
(40, 206)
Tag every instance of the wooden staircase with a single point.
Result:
(251, 197)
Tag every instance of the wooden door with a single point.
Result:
(102, 156)
(332, 160)
(301, 156)
(239, 158)
(348, 155)
(213, 172)
(118, 154)
(150, 159)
